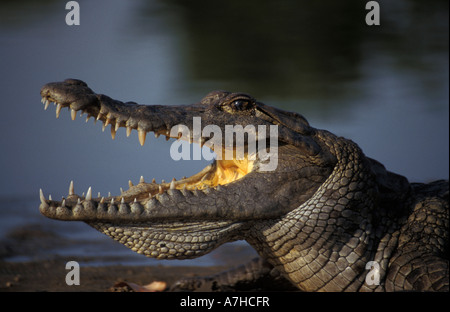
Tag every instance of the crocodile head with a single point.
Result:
(189, 217)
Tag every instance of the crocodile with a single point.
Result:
(326, 218)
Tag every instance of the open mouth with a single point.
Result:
(220, 172)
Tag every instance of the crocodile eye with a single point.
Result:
(240, 105)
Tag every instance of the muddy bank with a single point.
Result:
(43, 276)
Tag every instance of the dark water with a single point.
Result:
(385, 87)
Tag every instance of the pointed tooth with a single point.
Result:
(98, 117)
(71, 188)
(172, 185)
(46, 103)
(99, 195)
(63, 204)
(112, 201)
(42, 197)
(130, 184)
(104, 127)
(141, 180)
(107, 122)
(109, 194)
(82, 195)
(135, 200)
(42, 100)
(163, 181)
(58, 110)
(121, 190)
(102, 200)
(153, 180)
(128, 131)
(142, 135)
(113, 132)
(87, 118)
(79, 201)
(89, 194)
(50, 197)
(73, 113)
(122, 201)
(160, 190)
(117, 126)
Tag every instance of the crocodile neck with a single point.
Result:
(325, 243)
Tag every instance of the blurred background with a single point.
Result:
(385, 87)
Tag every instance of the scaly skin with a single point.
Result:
(318, 220)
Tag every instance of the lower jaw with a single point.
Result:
(172, 240)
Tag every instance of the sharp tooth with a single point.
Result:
(98, 116)
(153, 180)
(122, 201)
(46, 104)
(117, 126)
(113, 132)
(42, 197)
(141, 134)
(73, 114)
(102, 200)
(121, 190)
(160, 190)
(99, 195)
(172, 185)
(128, 131)
(89, 194)
(130, 184)
(87, 118)
(42, 100)
(82, 195)
(79, 201)
(112, 201)
(104, 127)
(135, 200)
(141, 180)
(63, 204)
(50, 197)
(71, 188)
(109, 194)
(163, 181)
(107, 121)
(58, 110)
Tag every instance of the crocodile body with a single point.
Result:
(327, 218)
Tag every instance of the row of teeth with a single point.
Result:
(141, 132)
(88, 195)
